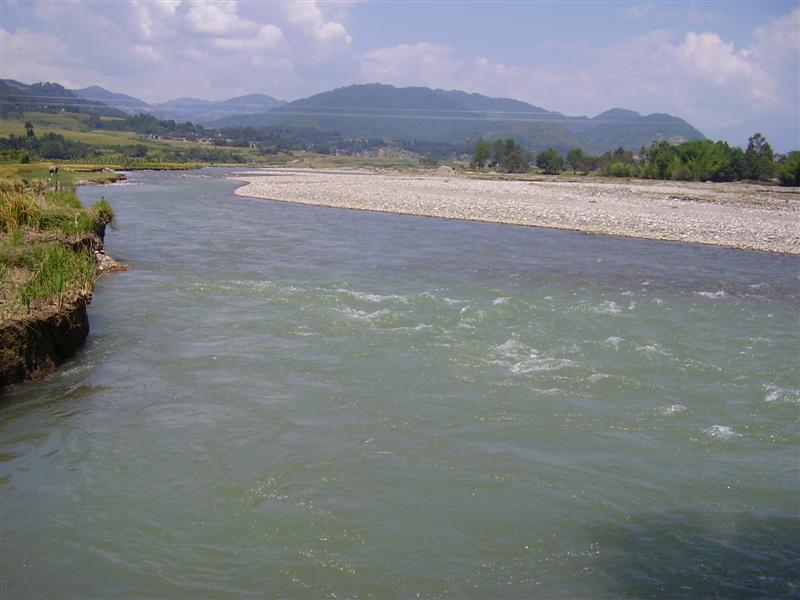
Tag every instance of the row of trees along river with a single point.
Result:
(697, 160)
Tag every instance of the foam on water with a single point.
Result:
(609, 307)
(781, 394)
(363, 315)
(652, 350)
(721, 432)
(713, 295)
(374, 297)
(520, 359)
(673, 409)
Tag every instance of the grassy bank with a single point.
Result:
(47, 240)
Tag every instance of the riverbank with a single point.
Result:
(736, 215)
(51, 253)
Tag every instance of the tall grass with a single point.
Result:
(30, 215)
(103, 211)
(18, 209)
(63, 198)
(61, 270)
(35, 207)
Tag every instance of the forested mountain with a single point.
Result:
(385, 111)
(16, 98)
(377, 111)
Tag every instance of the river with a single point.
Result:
(294, 401)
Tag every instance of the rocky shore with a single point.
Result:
(736, 215)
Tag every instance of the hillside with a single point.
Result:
(385, 111)
(16, 98)
(376, 112)
(206, 111)
(122, 102)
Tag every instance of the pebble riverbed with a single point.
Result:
(746, 216)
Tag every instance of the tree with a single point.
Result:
(789, 169)
(480, 154)
(759, 158)
(498, 153)
(550, 161)
(575, 159)
(514, 158)
(29, 130)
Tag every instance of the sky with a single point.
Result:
(729, 68)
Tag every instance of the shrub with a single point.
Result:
(619, 169)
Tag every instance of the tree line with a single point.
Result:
(696, 160)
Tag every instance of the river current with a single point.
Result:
(295, 401)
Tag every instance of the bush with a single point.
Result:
(619, 169)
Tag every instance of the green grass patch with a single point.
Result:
(61, 270)
(23, 256)
(102, 211)
(34, 207)
(63, 198)
(45, 122)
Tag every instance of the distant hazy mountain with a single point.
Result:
(205, 111)
(377, 111)
(52, 97)
(384, 111)
(127, 104)
(627, 128)
(16, 97)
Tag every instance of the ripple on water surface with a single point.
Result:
(318, 402)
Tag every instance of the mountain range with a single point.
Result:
(379, 111)
(183, 109)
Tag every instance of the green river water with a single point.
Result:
(291, 401)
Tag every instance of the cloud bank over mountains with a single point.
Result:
(728, 82)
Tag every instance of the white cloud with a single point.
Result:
(32, 56)
(707, 59)
(147, 53)
(166, 7)
(309, 16)
(268, 36)
(411, 64)
(217, 17)
(778, 43)
(700, 76)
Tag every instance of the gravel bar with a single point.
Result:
(736, 215)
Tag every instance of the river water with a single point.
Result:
(294, 401)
